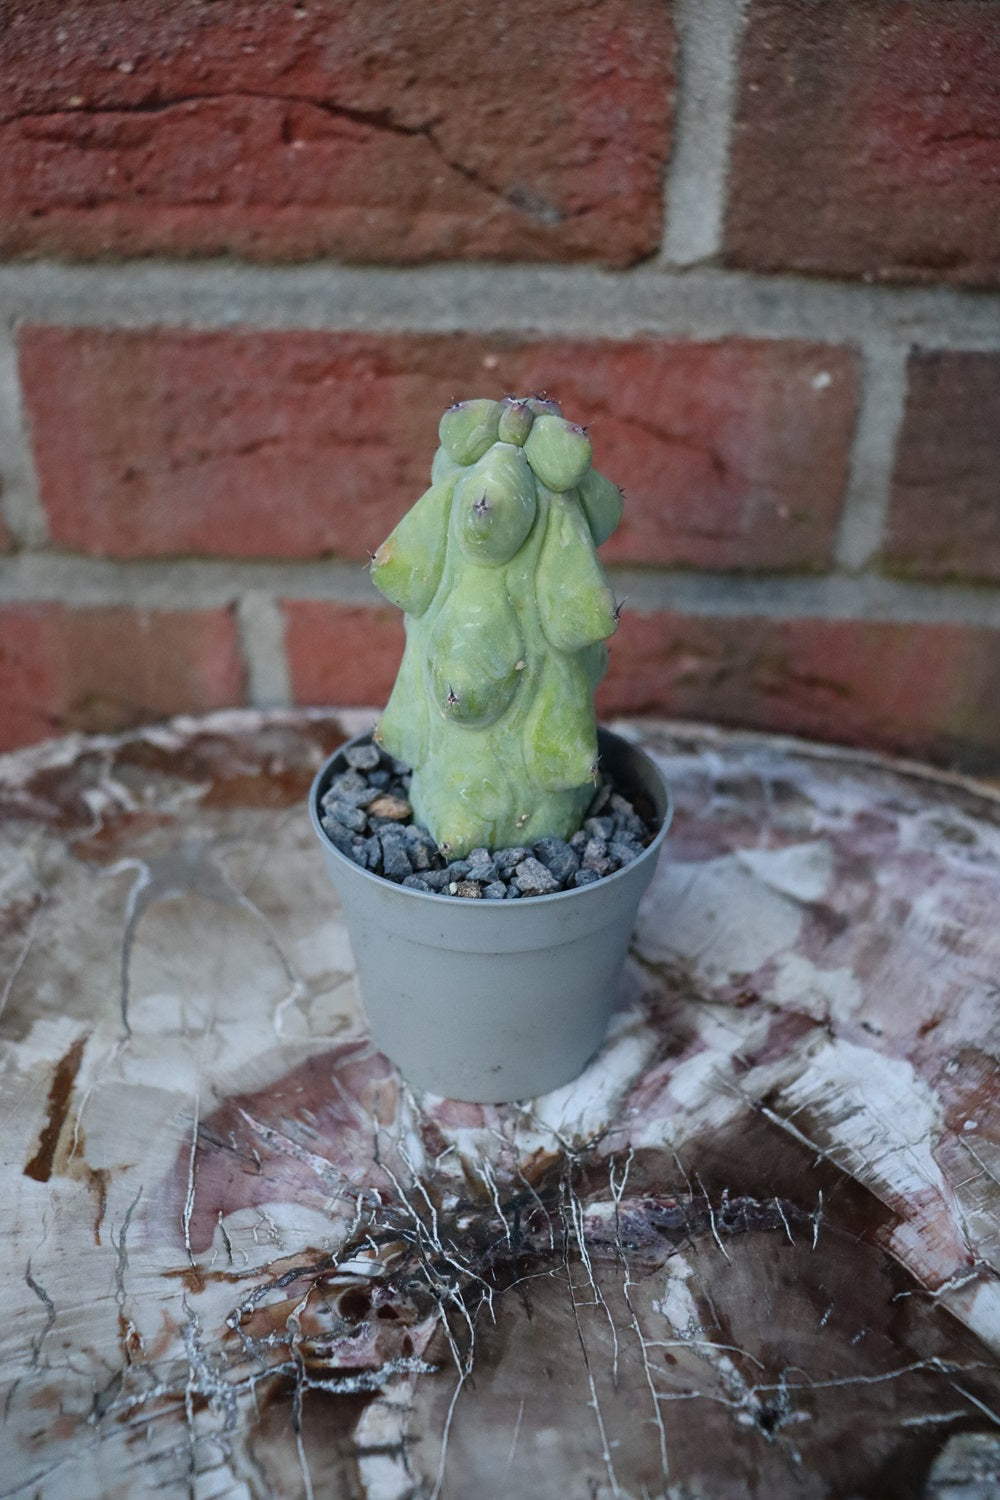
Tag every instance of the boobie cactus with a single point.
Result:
(507, 611)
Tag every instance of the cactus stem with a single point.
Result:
(506, 608)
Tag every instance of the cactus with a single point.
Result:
(507, 611)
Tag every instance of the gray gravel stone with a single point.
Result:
(363, 757)
(599, 828)
(585, 877)
(625, 816)
(595, 856)
(395, 860)
(624, 850)
(482, 865)
(507, 860)
(495, 891)
(373, 852)
(351, 817)
(533, 879)
(558, 857)
(339, 836)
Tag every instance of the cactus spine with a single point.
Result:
(507, 610)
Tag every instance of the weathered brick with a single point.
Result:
(931, 691)
(865, 140)
(297, 444)
(342, 654)
(389, 132)
(944, 517)
(107, 668)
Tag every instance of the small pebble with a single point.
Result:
(354, 796)
(533, 879)
(387, 806)
(558, 857)
(360, 854)
(625, 815)
(623, 850)
(507, 860)
(416, 883)
(395, 860)
(482, 865)
(495, 891)
(597, 828)
(585, 877)
(470, 889)
(420, 858)
(339, 836)
(347, 781)
(595, 858)
(349, 816)
(363, 757)
(373, 852)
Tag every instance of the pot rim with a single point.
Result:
(452, 902)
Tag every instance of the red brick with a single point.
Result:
(342, 654)
(866, 140)
(389, 132)
(944, 517)
(107, 668)
(148, 443)
(932, 691)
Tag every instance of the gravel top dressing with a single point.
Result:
(366, 814)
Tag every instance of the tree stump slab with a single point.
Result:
(752, 1251)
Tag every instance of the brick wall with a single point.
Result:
(249, 250)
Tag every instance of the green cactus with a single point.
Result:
(507, 611)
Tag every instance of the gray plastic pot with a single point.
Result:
(494, 1000)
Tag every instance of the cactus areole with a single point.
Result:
(507, 611)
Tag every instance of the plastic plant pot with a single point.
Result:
(493, 1001)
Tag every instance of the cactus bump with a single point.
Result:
(507, 611)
